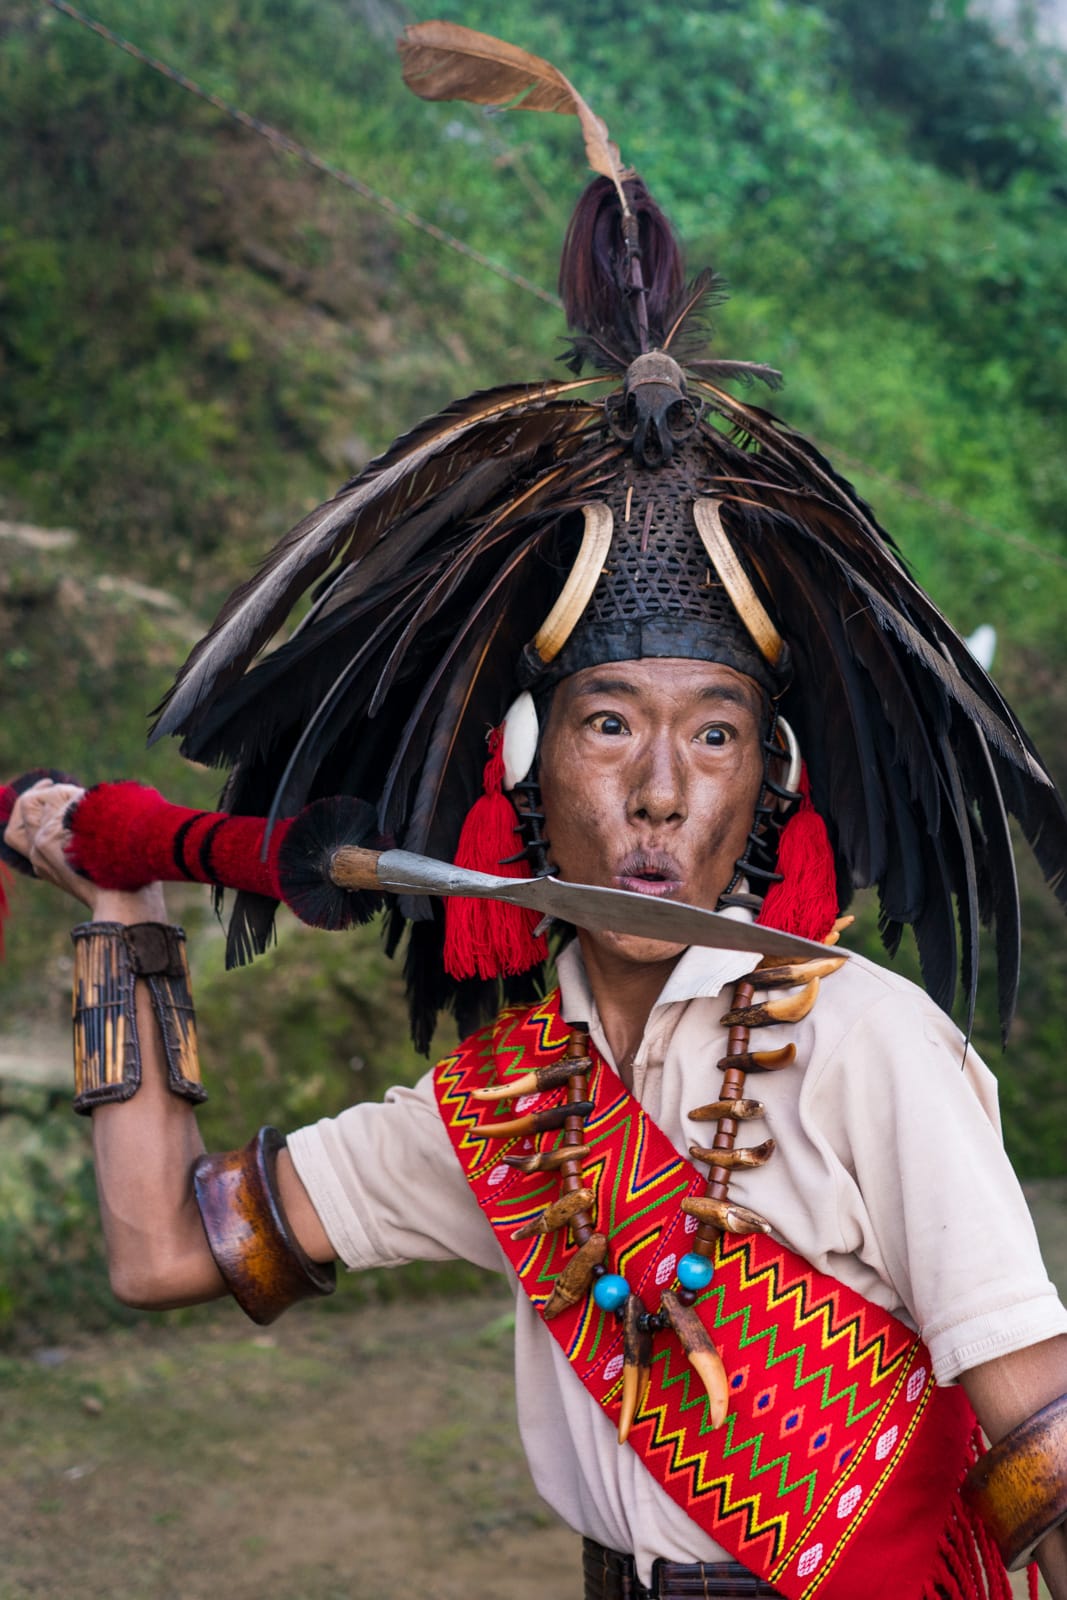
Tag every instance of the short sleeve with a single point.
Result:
(926, 1190)
(387, 1187)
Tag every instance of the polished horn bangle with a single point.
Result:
(1019, 1487)
(265, 1267)
(109, 957)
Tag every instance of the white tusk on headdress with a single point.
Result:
(563, 618)
(735, 580)
(791, 753)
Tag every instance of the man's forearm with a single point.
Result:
(144, 1150)
(1052, 1560)
(1006, 1391)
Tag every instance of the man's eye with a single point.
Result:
(608, 722)
(716, 736)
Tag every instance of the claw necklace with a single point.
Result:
(714, 1212)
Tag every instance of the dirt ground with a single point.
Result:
(333, 1457)
(340, 1455)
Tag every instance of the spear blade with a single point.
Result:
(586, 905)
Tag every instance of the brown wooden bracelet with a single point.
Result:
(1019, 1488)
(265, 1267)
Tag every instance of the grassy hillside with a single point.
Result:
(199, 339)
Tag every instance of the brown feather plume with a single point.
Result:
(445, 61)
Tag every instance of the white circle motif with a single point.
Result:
(809, 1560)
(916, 1384)
(498, 1174)
(525, 1101)
(849, 1501)
(613, 1368)
(886, 1441)
(691, 1224)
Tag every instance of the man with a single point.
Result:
(671, 755)
(696, 588)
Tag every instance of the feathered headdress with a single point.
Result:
(637, 508)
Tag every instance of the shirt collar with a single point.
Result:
(702, 973)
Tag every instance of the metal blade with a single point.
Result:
(593, 907)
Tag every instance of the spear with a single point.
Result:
(322, 865)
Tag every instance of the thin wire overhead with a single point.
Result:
(292, 147)
(283, 141)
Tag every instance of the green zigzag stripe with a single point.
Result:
(689, 1468)
(754, 1444)
(873, 1352)
(806, 1312)
(774, 1357)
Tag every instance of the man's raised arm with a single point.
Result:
(145, 1146)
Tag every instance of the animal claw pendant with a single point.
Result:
(636, 1363)
(702, 1353)
(715, 1212)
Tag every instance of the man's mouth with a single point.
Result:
(650, 872)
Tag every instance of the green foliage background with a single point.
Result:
(199, 339)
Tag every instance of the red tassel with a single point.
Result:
(3, 907)
(485, 938)
(1032, 1581)
(805, 902)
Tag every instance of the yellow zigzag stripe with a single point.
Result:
(870, 1497)
(819, 1316)
(692, 1462)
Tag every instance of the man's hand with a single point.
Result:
(36, 830)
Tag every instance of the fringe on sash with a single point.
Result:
(968, 1564)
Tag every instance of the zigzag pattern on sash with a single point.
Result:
(708, 1465)
(808, 1306)
(827, 1389)
(498, 1050)
(676, 1427)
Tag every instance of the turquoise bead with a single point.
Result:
(694, 1272)
(611, 1292)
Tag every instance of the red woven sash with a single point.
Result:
(836, 1473)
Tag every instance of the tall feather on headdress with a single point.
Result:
(435, 567)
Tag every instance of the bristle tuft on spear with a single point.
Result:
(304, 862)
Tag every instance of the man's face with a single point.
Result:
(650, 773)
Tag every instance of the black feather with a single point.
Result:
(745, 372)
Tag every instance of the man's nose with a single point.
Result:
(659, 790)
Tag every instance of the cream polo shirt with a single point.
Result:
(889, 1175)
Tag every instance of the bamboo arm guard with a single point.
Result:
(263, 1264)
(1019, 1488)
(109, 957)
